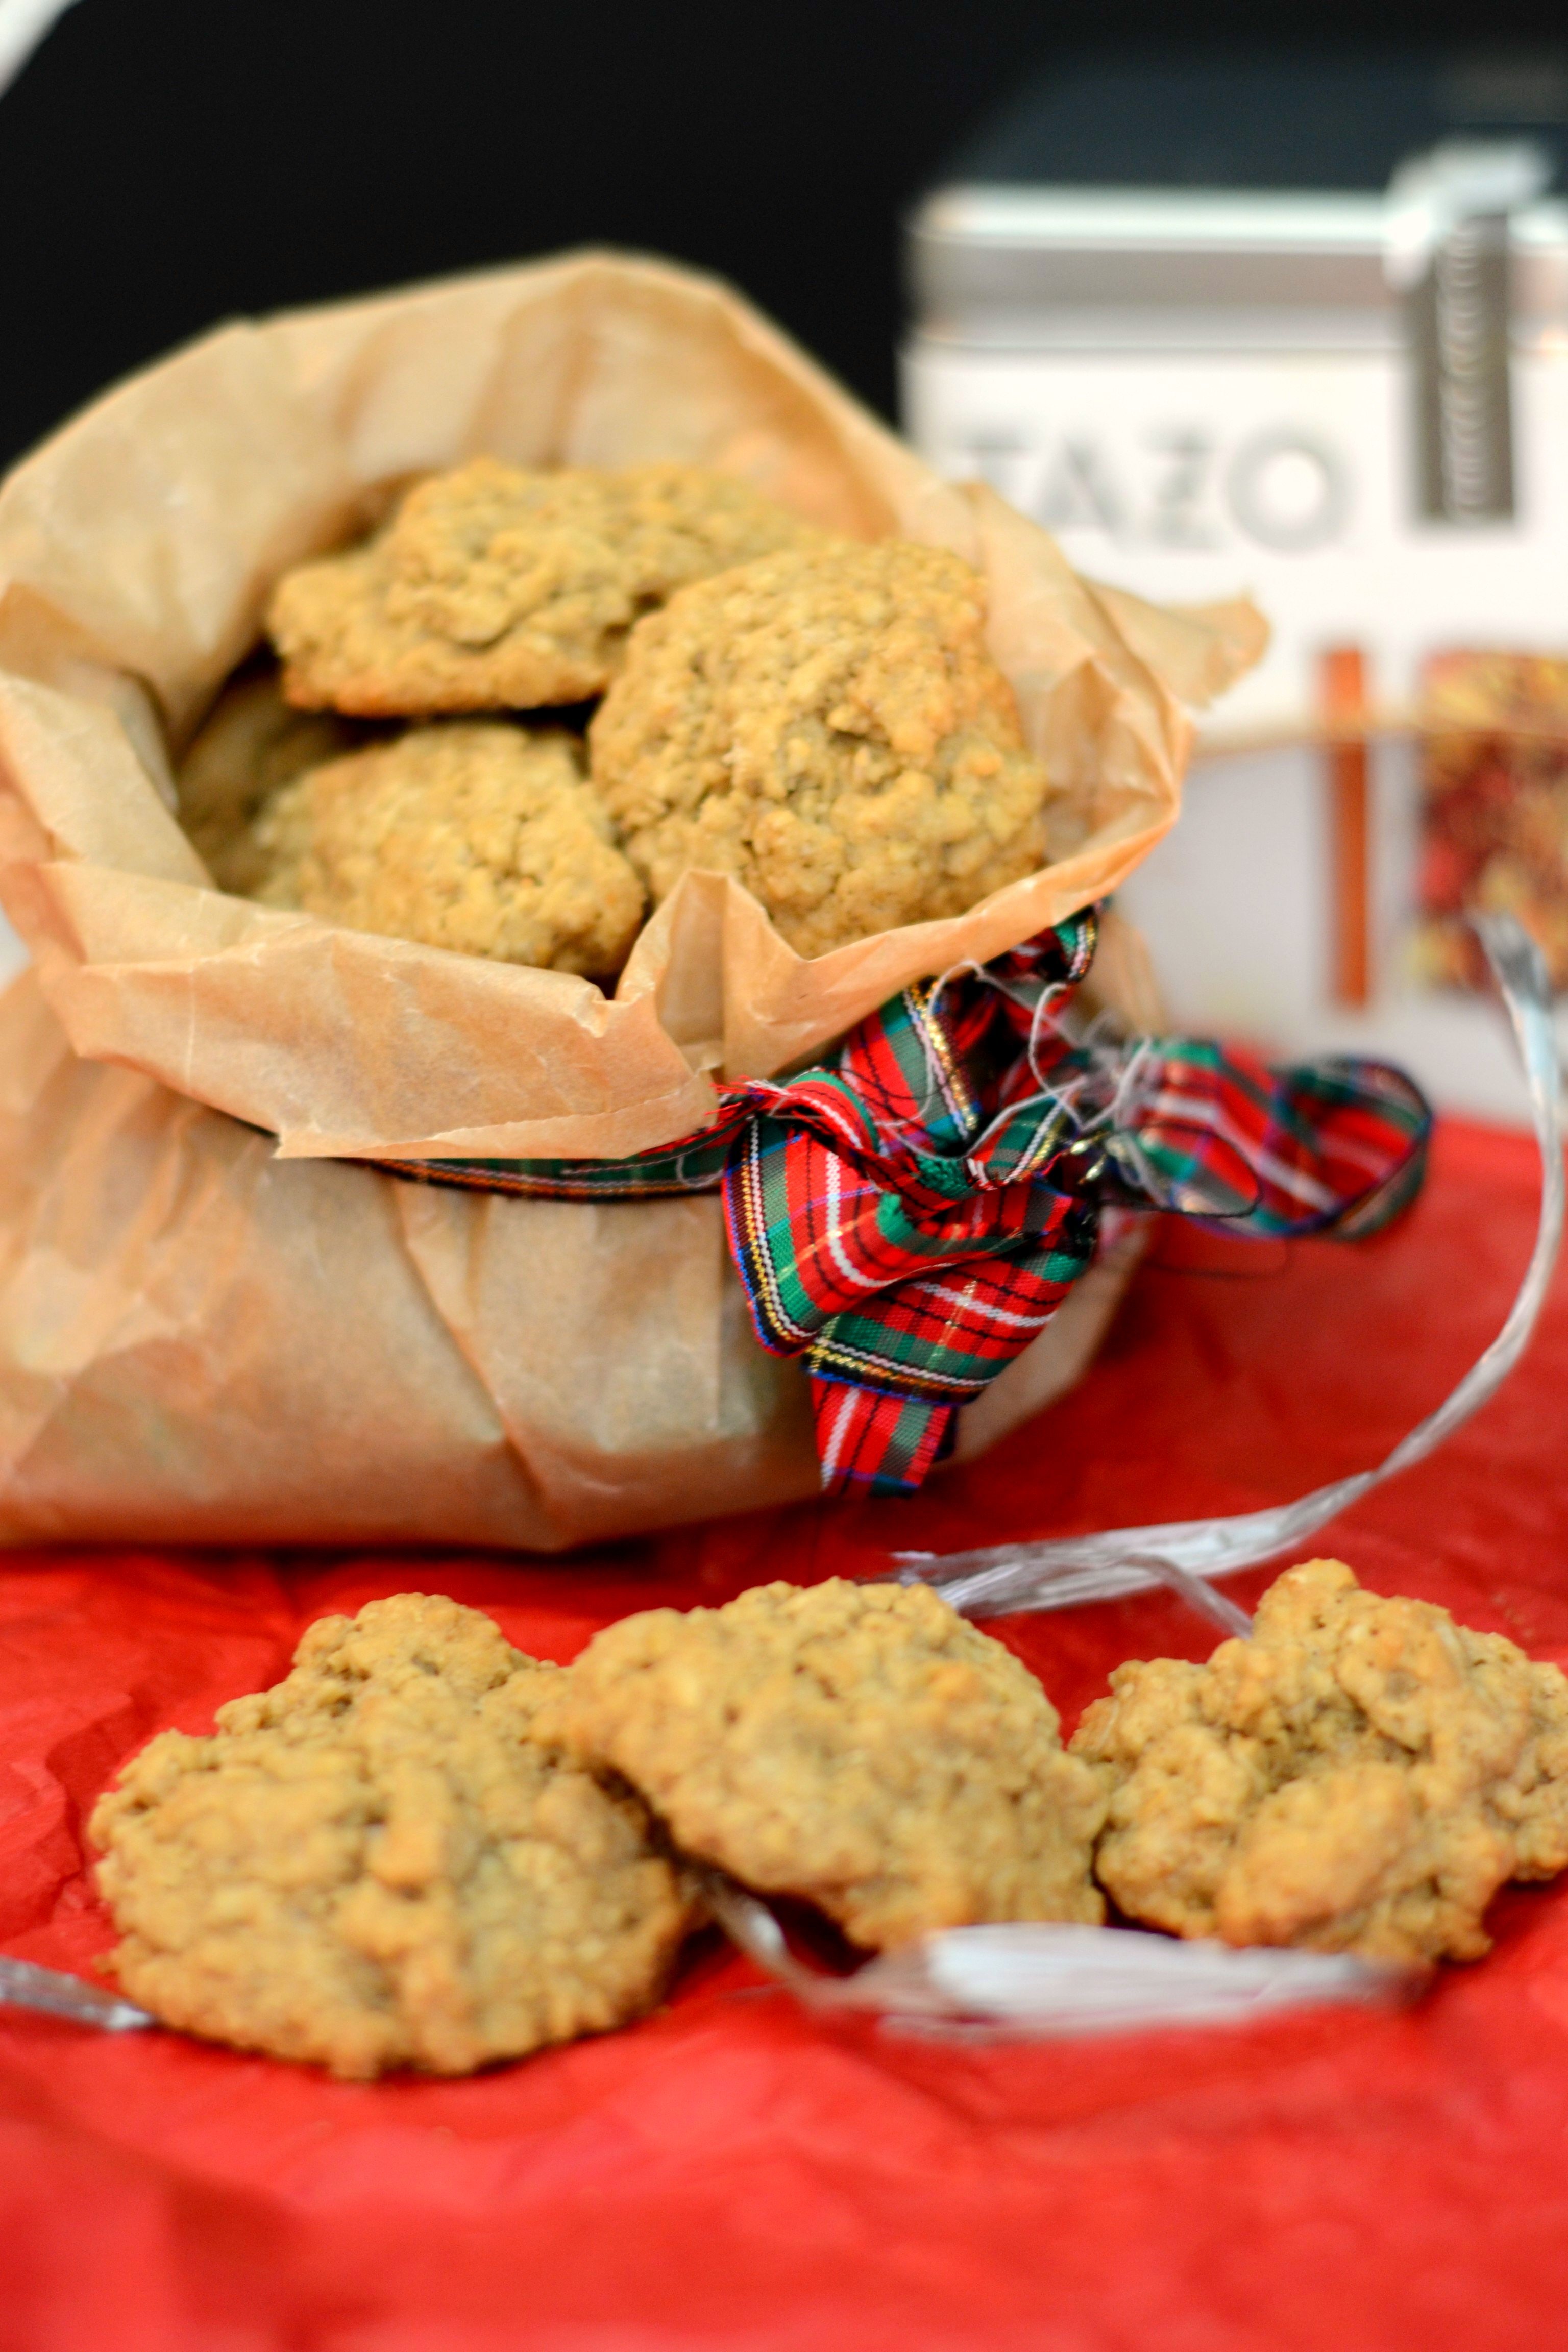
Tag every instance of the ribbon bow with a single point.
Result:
(910, 1218)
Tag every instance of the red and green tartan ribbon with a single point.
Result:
(909, 1219)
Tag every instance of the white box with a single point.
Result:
(1207, 394)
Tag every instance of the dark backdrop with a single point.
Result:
(164, 163)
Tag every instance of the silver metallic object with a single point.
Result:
(1449, 257)
(1024, 1979)
(23, 24)
(24, 1985)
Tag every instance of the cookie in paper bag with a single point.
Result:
(482, 838)
(249, 746)
(497, 589)
(377, 1864)
(828, 726)
(859, 1747)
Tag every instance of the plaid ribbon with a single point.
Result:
(909, 1219)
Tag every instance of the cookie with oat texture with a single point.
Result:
(378, 1865)
(480, 837)
(248, 746)
(1362, 1775)
(859, 1747)
(495, 588)
(826, 724)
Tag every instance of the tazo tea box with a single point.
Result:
(1354, 407)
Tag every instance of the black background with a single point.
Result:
(164, 163)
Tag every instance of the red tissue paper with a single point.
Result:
(732, 2173)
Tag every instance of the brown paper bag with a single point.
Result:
(200, 1338)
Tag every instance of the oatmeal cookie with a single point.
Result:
(377, 1864)
(860, 1747)
(251, 745)
(1362, 1775)
(827, 726)
(481, 838)
(493, 589)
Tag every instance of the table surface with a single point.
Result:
(730, 2173)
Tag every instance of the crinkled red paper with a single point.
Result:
(729, 2174)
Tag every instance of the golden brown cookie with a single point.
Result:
(826, 725)
(376, 1864)
(859, 1747)
(481, 838)
(251, 745)
(1362, 1775)
(493, 589)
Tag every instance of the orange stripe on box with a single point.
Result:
(1343, 690)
